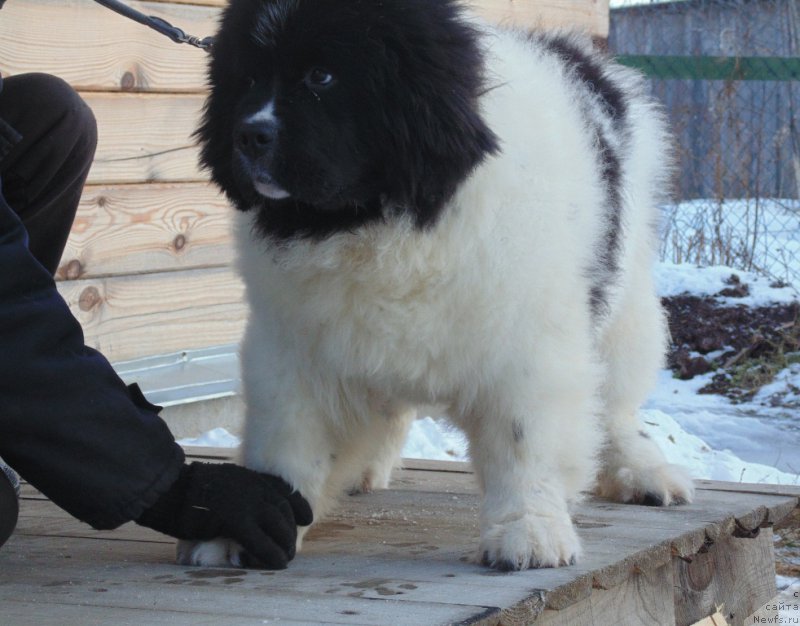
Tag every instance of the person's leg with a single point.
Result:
(9, 501)
(43, 175)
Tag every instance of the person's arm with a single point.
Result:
(70, 426)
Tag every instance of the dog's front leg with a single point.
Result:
(295, 451)
(524, 518)
(286, 434)
(298, 455)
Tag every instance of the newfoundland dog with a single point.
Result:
(436, 212)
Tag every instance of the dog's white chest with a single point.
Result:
(390, 307)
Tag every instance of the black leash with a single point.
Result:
(157, 24)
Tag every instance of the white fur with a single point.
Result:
(487, 313)
(264, 114)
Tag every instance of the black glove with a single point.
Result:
(208, 500)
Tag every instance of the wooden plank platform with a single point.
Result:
(403, 556)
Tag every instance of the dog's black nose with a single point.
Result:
(255, 138)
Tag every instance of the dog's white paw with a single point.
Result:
(214, 553)
(656, 485)
(533, 540)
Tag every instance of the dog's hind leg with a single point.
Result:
(634, 469)
(380, 450)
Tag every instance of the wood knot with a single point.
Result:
(179, 242)
(101, 201)
(73, 270)
(743, 532)
(89, 299)
(128, 82)
(700, 572)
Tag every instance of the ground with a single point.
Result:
(746, 346)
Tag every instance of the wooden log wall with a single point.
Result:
(147, 267)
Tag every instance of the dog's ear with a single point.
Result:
(447, 141)
(227, 81)
(438, 132)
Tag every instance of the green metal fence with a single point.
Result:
(714, 68)
(728, 74)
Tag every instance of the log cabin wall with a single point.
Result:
(147, 266)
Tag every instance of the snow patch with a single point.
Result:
(215, 438)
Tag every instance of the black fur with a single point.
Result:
(517, 431)
(610, 169)
(589, 72)
(396, 131)
(652, 499)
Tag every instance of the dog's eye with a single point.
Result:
(318, 78)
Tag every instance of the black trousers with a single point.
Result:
(43, 175)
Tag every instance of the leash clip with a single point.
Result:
(157, 24)
(177, 35)
(206, 43)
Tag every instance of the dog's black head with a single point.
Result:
(323, 114)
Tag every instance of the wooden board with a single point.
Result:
(126, 317)
(95, 49)
(590, 16)
(733, 573)
(145, 137)
(642, 599)
(148, 228)
(400, 556)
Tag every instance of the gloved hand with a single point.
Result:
(259, 511)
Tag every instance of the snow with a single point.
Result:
(435, 439)
(692, 452)
(429, 439)
(752, 432)
(673, 279)
(215, 438)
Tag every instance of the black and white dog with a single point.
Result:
(437, 212)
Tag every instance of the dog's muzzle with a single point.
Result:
(254, 141)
